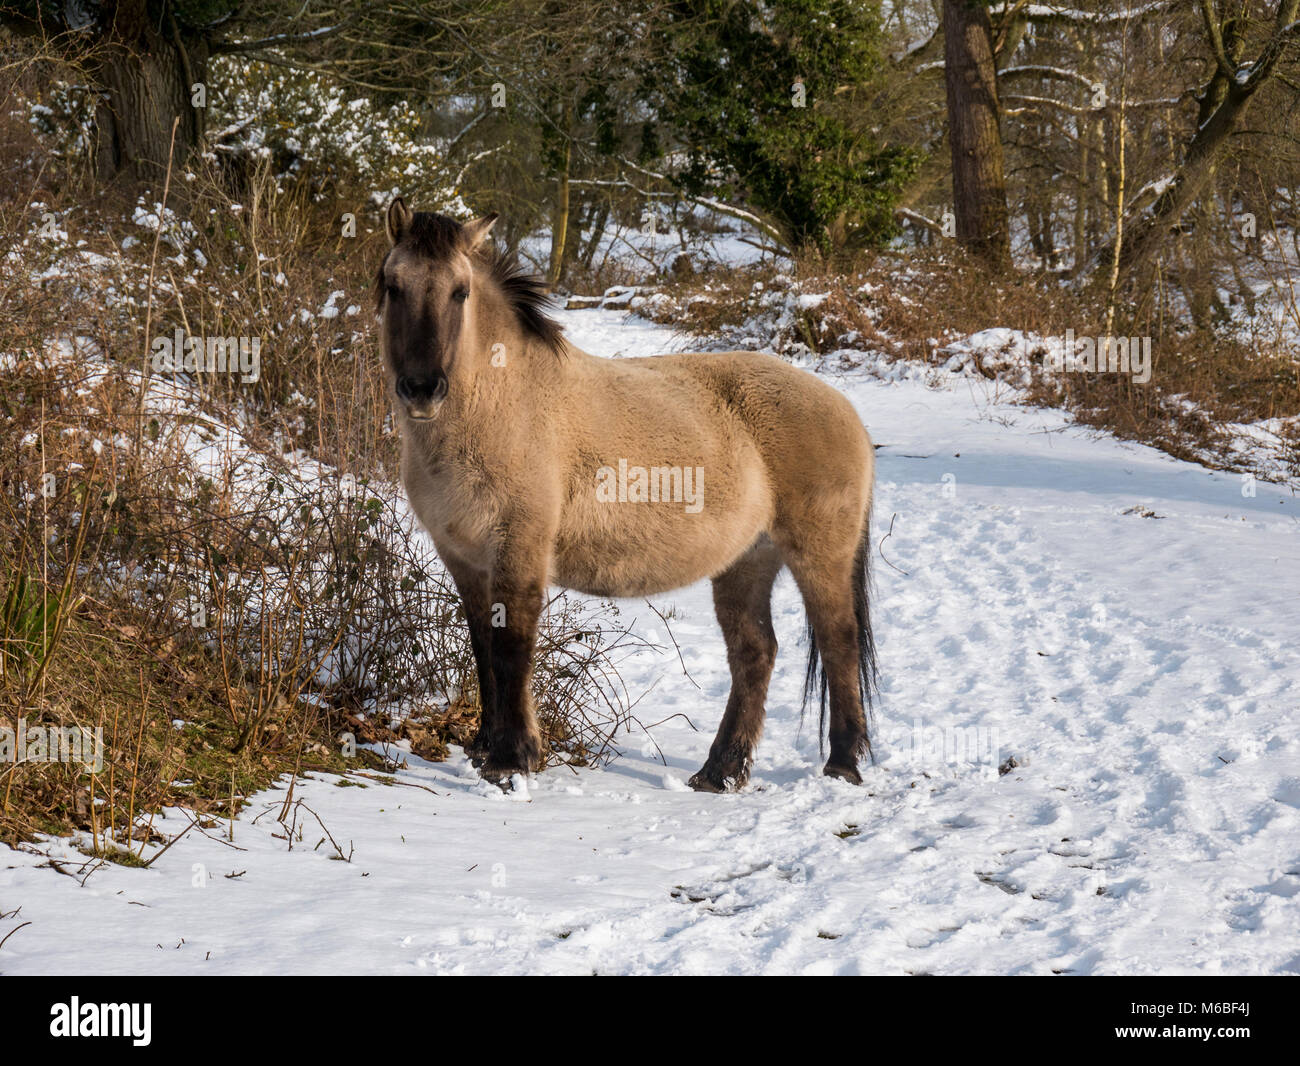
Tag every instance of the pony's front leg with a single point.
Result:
(518, 594)
(474, 588)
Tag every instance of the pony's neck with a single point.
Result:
(498, 353)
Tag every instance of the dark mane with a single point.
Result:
(436, 237)
(527, 295)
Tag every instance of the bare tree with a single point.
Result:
(1224, 99)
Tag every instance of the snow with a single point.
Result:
(329, 310)
(1047, 11)
(701, 232)
(1119, 625)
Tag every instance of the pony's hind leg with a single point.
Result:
(834, 595)
(742, 600)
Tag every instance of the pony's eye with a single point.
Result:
(392, 291)
(460, 295)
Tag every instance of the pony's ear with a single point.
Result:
(476, 229)
(398, 220)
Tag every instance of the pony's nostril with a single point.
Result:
(422, 390)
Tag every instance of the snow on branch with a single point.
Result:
(1029, 102)
(1046, 13)
(279, 40)
(919, 219)
(759, 223)
(1047, 72)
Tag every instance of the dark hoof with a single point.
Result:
(522, 756)
(702, 783)
(712, 779)
(844, 773)
(500, 774)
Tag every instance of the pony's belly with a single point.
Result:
(633, 575)
(643, 553)
(647, 529)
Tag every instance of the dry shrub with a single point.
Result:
(914, 307)
(223, 575)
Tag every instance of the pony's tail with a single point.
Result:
(815, 676)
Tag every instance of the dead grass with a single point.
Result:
(914, 307)
(220, 577)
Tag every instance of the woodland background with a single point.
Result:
(810, 176)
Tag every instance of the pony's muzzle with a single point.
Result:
(422, 396)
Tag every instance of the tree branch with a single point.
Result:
(280, 40)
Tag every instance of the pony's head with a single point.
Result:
(428, 290)
(422, 289)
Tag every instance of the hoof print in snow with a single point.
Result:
(997, 882)
(716, 899)
(726, 895)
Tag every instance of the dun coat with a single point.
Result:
(532, 463)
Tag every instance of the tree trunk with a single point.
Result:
(597, 232)
(145, 74)
(1191, 181)
(978, 179)
(560, 216)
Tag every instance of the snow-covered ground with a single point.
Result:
(1115, 628)
(704, 236)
